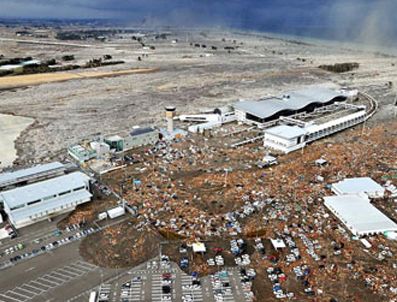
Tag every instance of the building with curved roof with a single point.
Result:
(305, 100)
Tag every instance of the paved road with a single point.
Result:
(53, 276)
(45, 235)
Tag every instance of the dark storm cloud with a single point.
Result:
(359, 20)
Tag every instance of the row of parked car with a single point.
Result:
(54, 244)
(166, 286)
(12, 249)
(277, 277)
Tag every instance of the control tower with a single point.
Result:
(170, 112)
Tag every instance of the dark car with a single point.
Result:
(166, 289)
(126, 285)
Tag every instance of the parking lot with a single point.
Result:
(44, 283)
(57, 275)
(160, 281)
(23, 250)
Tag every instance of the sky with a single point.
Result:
(369, 21)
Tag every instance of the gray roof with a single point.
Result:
(295, 100)
(287, 132)
(43, 189)
(360, 214)
(358, 185)
(140, 131)
(13, 177)
(50, 205)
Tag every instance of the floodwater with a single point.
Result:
(10, 128)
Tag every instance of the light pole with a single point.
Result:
(227, 170)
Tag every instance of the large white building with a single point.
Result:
(359, 185)
(30, 175)
(288, 138)
(359, 215)
(272, 108)
(217, 118)
(285, 138)
(39, 201)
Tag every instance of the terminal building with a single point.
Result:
(269, 109)
(46, 199)
(288, 138)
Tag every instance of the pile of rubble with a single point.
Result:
(193, 190)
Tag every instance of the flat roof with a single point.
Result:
(278, 243)
(359, 214)
(114, 138)
(36, 191)
(8, 177)
(140, 131)
(293, 101)
(357, 185)
(41, 207)
(199, 247)
(287, 132)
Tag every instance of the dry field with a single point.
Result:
(189, 77)
(42, 78)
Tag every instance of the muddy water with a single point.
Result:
(10, 128)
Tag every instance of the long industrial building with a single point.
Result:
(359, 185)
(30, 175)
(46, 199)
(359, 215)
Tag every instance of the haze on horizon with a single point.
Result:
(365, 21)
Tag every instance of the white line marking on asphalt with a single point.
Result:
(51, 275)
(65, 272)
(30, 269)
(7, 297)
(46, 280)
(61, 276)
(31, 287)
(25, 290)
(74, 269)
(11, 292)
(42, 285)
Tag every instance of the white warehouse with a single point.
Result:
(359, 185)
(359, 215)
(39, 201)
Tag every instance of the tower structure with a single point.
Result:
(170, 112)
